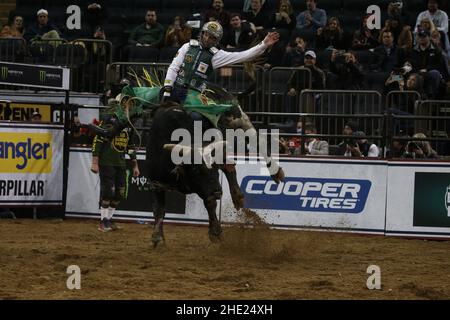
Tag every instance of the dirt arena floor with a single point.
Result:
(248, 264)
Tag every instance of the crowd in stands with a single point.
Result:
(362, 57)
(411, 51)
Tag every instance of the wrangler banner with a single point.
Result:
(31, 164)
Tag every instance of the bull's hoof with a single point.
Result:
(238, 200)
(215, 233)
(279, 176)
(156, 239)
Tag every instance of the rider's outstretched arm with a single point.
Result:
(224, 58)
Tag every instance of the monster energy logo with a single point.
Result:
(42, 76)
(4, 73)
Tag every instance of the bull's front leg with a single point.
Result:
(215, 230)
(236, 194)
(276, 171)
(159, 211)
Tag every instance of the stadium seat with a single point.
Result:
(166, 54)
(181, 5)
(232, 5)
(146, 4)
(330, 5)
(143, 54)
(355, 5)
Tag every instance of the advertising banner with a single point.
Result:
(34, 75)
(83, 194)
(342, 195)
(22, 111)
(418, 199)
(31, 164)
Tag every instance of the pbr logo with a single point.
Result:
(42, 76)
(4, 73)
(306, 194)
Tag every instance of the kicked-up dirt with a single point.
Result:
(249, 263)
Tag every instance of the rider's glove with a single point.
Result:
(166, 93)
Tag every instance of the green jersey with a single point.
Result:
(111, 152)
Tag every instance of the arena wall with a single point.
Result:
(347, 195)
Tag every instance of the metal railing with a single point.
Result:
(13, 49)
(89, 66)
(348, 102)
(402, 101)
(276, 85)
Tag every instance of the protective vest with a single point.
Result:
(197, 66)
(111, 152)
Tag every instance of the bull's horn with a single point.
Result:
(206, 154)
(184, 149)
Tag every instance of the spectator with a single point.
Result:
(178, 33)
(398, 148)
(428, 60)
(218, 13)
(437, 42)
(439, 17)
(43, 29)
(299, 81)
(283, 19)
(395, 9)
(402, 33)
(95, 13)
(36, 117)
(312, 18)
(427, 24)
(6, 31)
(331, 36)
(314, 146)
(362, 147)
(414, 82)
(257, 16)
(80, 135)
(420, 149)
(17, 29)
(349, 130)
(293, 144)
(387, 56)
(365, 38)
(149, 34)
(248, 3)
(347, 72)
(295, 53)
(240, 36)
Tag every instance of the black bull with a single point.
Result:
(186, 178)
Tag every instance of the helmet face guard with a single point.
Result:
(214, 29)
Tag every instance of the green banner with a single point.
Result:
(432, 200)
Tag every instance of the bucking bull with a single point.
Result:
(200, 178)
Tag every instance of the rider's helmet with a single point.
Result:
(213, 28)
